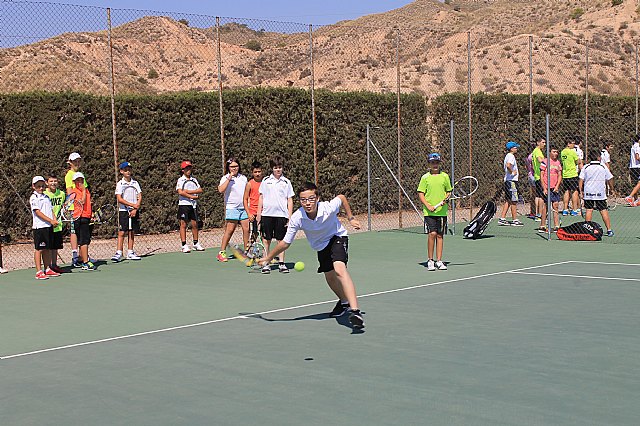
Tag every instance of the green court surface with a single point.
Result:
(516, 332)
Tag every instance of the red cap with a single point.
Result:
(185, 164)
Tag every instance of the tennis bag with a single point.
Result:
(480, 222)
(581, 231)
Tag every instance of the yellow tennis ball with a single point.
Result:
(299, 266)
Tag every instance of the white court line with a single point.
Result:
(575, 276)
(179, 327)
(604, 263)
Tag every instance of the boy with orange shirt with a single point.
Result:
(82, 224)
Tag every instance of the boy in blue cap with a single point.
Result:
(434, 187)
(510, 186)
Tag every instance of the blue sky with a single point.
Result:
(303, 11)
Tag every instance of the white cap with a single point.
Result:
(77, 175)
(37, 179)
(74, 156)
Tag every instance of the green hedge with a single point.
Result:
(39, 130)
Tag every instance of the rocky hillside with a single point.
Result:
(157, 54)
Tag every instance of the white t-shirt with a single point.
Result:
(234, 194)
(580, 156)
(184, 201)
(120, 187)
(275, 194)
(595, 177)
(319, 230)
(43, 203)
(605, 158)
(635, 149)
(510, 159)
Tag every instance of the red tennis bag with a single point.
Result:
(581, 231)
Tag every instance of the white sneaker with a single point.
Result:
(198, 247)
(117, 257)
(441, 266)
(431, 265)
(92, 260)
(133, 256)
(3, 271)
(186, 249)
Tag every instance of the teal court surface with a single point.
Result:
(516, 332)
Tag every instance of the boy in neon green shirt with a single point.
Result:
(57, 198)
(536, 158)
(570, 164)
(434, 187)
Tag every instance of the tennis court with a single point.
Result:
(515, 332)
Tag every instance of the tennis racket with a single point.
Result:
(191, 185)
(256, 248)
(463, 188)
(130, 195)
(103, 215)
(241, 256)
(614, 201)
(71, 209)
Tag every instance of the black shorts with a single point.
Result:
(596, 205)
(83, 231)
(336, 251)
(187, 213)
(511, 191)
(56, 242)
(437, 224)
(570, 184)
(43, 238)
(123, 220)
(539, 189)
(634, 172)
(274, 227)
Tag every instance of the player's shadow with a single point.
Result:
(424, 264)
(343, 320)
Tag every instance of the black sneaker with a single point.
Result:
(339, 310)
(356, 320)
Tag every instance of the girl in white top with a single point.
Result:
(605, 157)
(232, 185)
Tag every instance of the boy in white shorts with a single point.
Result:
(187, 204)
(43, 223)
(127, 212)
(327, 236)
(594, 179)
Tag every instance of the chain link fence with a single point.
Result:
(121, 53)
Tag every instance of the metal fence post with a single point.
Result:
(453, 178)
(586, 104)
(469, 112)
(112, 90)
(220, 92)
(313, 107)
(636, 89)
(549, 209)
(368, 182)
(399, 125)
(531, 88)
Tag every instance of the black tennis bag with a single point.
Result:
(581, 231)
(480, 222)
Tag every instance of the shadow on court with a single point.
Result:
(342, 320)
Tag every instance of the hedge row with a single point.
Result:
(39, 130)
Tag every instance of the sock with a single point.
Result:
(184, 243)
(344, 302)
(195, 242)
(118, 251)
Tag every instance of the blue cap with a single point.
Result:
(124, 165)
(512, 144)
(434, 156)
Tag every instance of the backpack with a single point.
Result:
(480, 222)
(581, 231)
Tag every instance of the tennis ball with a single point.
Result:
(299, 266)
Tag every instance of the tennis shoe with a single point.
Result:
(538, 219)
(441, 266)
(555, 228)
(186, 249)
(222, 256)
(339, 310)
(283, 268)
(531, 216)
(565, 212)
(117, 257)
(40, 275)
(266, 269)
(542, 229)
(610, 233)
(636, 203)
(89, 266)
(51, 273)
(92, 260)
(503, 222)
(575, 212)
(3, 271)
(516, 222)
(57, 269)
(629, 200)
(133, 256)
(198, 247)
(355, 318)
(76, 262)
(431, 266)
